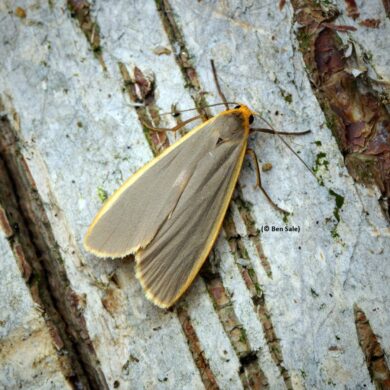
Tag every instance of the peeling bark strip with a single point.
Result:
(248, 274)
(81, 10)
(373, 352)
(41, 265)
(141, 90)
(196, 350)
(355, 114)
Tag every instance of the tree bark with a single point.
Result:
(303, 308)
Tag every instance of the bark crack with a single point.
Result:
(251, 374)
(38, 257)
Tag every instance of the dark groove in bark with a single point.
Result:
(250, 372)
(81, 11)
(41, 265)
(386, 6)
(372, 350)
(253, 232)
(248, 274)
(182, 56)
(206, 374)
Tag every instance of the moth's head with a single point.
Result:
(234, 123)
(246, 113)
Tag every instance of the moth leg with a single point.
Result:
(252, 154)
(272, 131)
(176, 128)
(279, 133)
(220, 93)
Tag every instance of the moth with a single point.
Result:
(169, 213)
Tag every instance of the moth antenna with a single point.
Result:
(193, 109)
(220, 93)
(270, 131)
(297, 155)
(176, 128)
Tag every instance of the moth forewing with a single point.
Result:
(130, 217)
(170, 212)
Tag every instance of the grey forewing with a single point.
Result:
(143, 208)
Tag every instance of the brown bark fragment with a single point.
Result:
(24, 266)
(370, 23)
(140, 88)
(4, 224)
(355, 114)
(386, 6)
(372, 350)
(352, 9)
